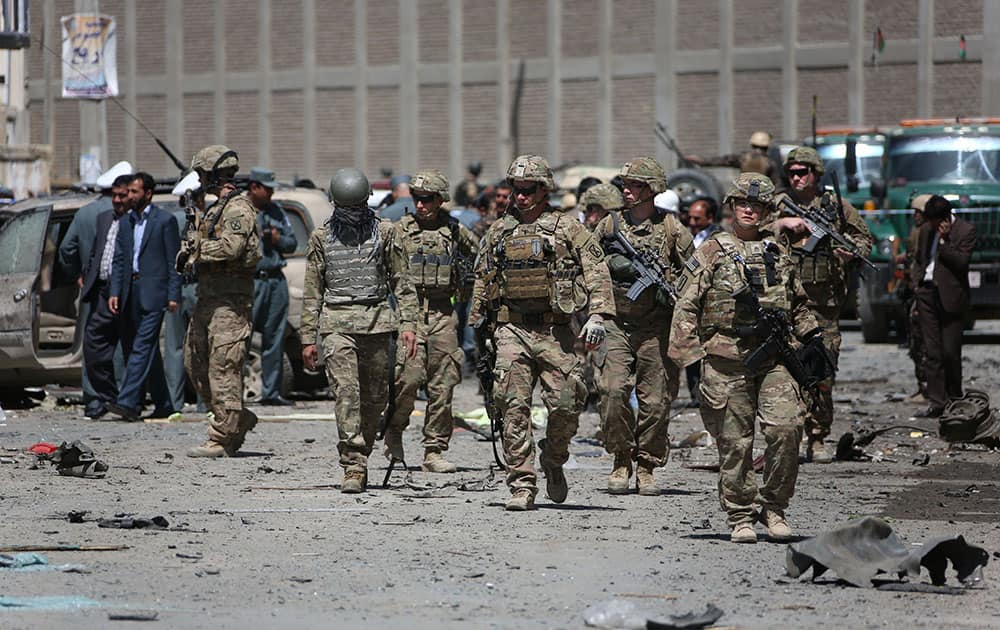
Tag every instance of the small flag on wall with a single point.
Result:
(962, 49)
(878, 44)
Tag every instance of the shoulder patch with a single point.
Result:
(235, 225)
(595, 250)
(692, 264)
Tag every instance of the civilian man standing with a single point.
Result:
(143, 284)
(701, 221)
(270, 301)
(940, 276)
(101, 329)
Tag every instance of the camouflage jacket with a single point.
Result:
(228, 247)
(707, 315)
(664, 237)
(822, 273)
(322, 318)
(570, 275)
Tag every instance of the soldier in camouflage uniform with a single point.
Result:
(824, 275)
(437, 249)
(597, 201)
(222, 249)
(710, 322)
(353, 262)
(756, 159)
(536, 268)
(637, 337)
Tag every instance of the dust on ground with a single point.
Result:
(267, 540)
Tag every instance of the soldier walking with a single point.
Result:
(711, 320)
(637, 336)
(824, 273)
(436, 247)
(537, 267)
(353, 263)
(223, 250)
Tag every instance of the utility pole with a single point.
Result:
(93, 113)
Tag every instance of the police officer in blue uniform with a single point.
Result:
(270, 303)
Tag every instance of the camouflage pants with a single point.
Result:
(915, 343)
(526, 355)
(819, 420)
(438, 366)
(357, 367)
(214, 353)
(732, 402)
(637, 359)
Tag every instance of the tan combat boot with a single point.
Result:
(816, 452)
(521, 501)
(777, 527)
(354, 482)
(743, 533)
(645, 481)
(618, 480)
(209, 449)
(435, 462)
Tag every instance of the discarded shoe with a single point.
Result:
(743, 533)
(354, 482)
(435, 462)
(618, 480)
(521, 501)
(777, 527)
(816, 452)
(209, 449)
(77, 460)
(645, 481)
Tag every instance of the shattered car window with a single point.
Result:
(20, 242)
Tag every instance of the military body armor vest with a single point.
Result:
(208, 228)
(761, 261)
(355, 274)
(537, 274)
(431, 257)
(646, 303)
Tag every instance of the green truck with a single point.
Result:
(958, 159)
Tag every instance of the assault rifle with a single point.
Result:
(648, 268)
(390, 408)
(822, 228)
(486, 344)
(189, 241)
(774, 327)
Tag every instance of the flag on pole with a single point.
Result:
(878, 44)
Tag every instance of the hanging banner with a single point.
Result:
(90, 64)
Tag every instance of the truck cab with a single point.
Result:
(960, 160)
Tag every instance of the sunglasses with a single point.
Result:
(424, 198)
(527, 191)
(798, 172)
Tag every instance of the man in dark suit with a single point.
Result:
(101, 331)
(143, 284)
(940, 277)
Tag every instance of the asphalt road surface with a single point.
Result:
(267, 540)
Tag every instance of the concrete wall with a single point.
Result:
(308, 86)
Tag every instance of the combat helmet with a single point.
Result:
(349, 188)
(533, 168)
(805, 155)
(214, 158)
(751, 186)
(646, 170)
(432, 181)
(604, 195)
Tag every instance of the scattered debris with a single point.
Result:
(850, 446)
(863, 551)
(36, 562)
(18, 548)
(969, 419)
(75, 460)
(76, 516)
(167, 459)
(922, 460)
(43, 448)
(695, 440)
(621, 614)
(133, 615)
(133, 522)
(49, 602)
